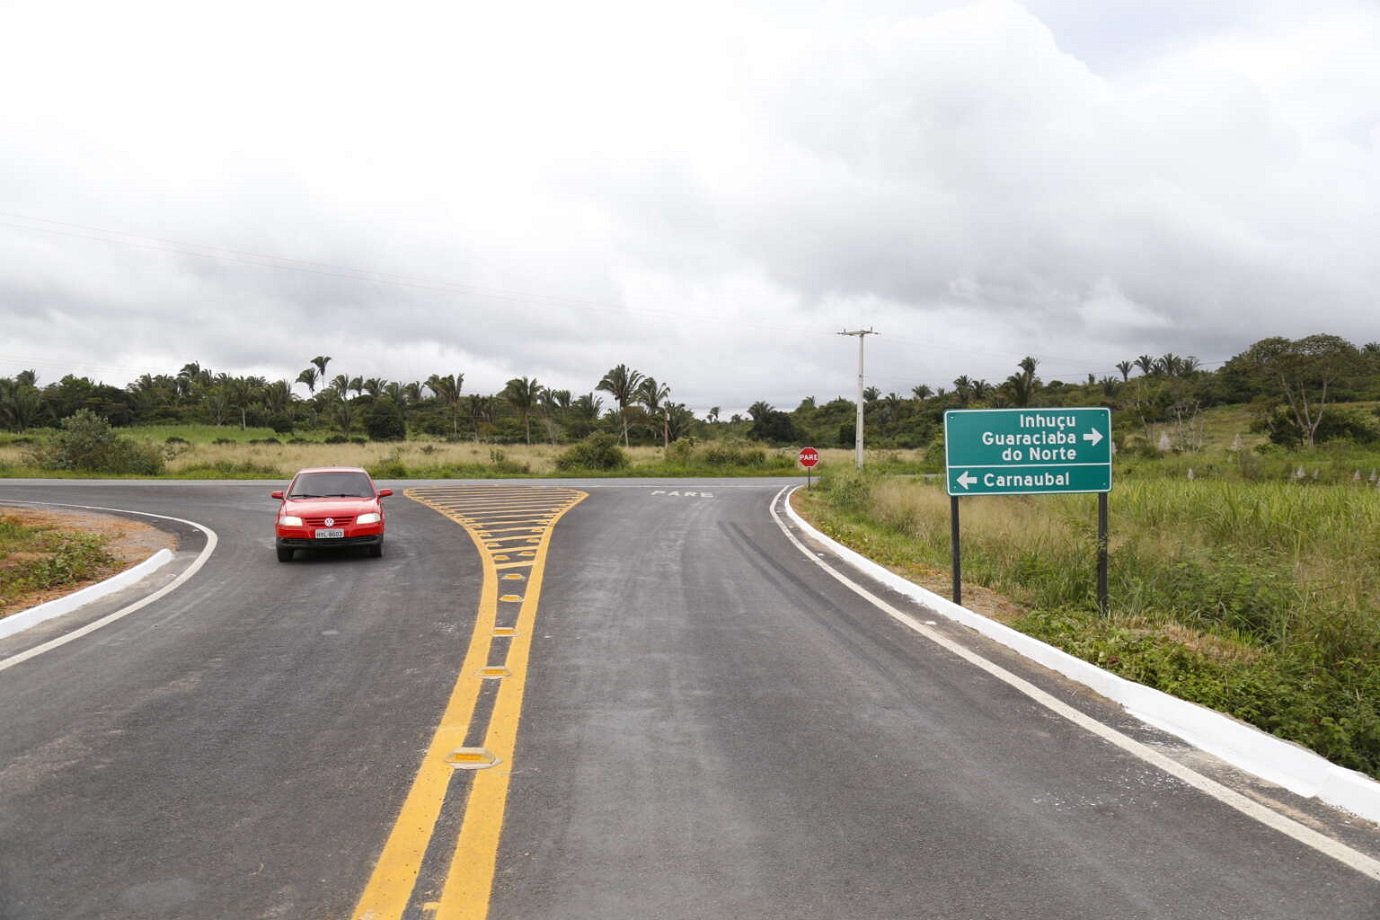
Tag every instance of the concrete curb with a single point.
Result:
(1243, 746)
(26, 619)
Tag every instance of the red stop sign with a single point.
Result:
(808, 457)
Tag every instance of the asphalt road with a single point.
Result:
(710, 726)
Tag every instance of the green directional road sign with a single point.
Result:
(1028, 451)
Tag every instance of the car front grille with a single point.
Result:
(321, 521)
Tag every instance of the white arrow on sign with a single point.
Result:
(1095, 437)
(967, 479)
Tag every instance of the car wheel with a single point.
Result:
(376, 550)
(285, 553)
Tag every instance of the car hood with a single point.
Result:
(339, 507)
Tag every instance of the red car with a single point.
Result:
(330, 508)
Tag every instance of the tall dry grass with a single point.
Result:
(1259, 599)
(1305, 552)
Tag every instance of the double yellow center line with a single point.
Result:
(511, 526)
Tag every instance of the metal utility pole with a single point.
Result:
(862, 335)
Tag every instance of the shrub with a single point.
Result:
(384, 422)
(232, 469)
(390, 467)
(681, 452)
(86, 443)
(730, 453)
(74, 558)
(596, 452)
(1337, 424)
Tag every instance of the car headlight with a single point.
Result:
(373, 517)
(290, 520)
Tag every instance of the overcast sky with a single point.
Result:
(708, 192)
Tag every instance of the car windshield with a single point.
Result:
(331, 485)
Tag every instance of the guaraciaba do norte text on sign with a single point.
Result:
(1054, 439)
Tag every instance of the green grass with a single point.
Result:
(34, 558)
(1261, 599)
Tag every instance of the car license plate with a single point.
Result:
(332, 533)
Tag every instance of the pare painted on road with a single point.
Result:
(679, 494)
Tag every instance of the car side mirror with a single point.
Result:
(384, 493)
(278, 494)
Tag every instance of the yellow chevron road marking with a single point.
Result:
(468, 882)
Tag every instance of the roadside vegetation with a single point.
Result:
(37, 558)
(201, 453)
(1260, 599)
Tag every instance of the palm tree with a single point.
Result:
(192, 378)
(1125, 368)
(713, 415)
(981, 389)
(217, 404)
(321, 361)
(653, 397)
(341, 385)
(891, 402)
(922, 391)
(621, 383)
(588, 407)
(1022, 386)
(342, 412)
(1169, 365)
(1146, 364)
(277, 397)
(481, 410)
(20, 401)
(522, 393)
(963, 388)
(760, 410)
(240, 393)
(447, 390)
(679, 420)
(309, 377)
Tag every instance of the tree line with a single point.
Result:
(1291, 385)
(643, 411)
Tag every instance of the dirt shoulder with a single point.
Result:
(128, 541)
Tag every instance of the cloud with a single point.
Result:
(709, 195)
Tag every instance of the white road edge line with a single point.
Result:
(1307, 836)
(211, 541)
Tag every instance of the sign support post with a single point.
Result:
(954, 546)
(1102, 553)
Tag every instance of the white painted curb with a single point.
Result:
(1273, 759)
(26, 619)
